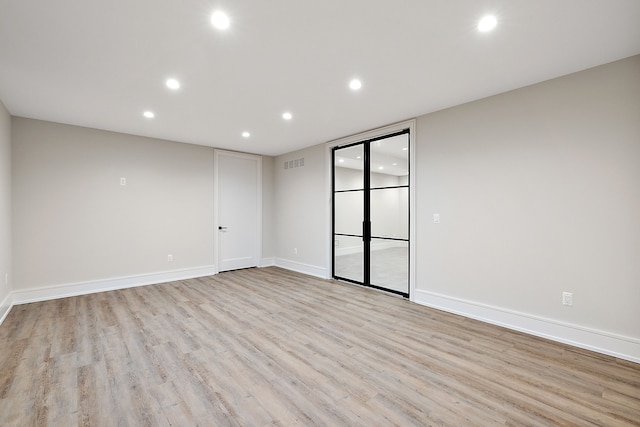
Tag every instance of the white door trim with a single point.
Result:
(216, 241)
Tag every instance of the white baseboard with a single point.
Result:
(311, 270)
(83, 288)
(268, 262)
(5, 307)
(602, 342)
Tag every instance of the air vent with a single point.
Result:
(295, 163)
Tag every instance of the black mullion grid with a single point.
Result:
(391, 187)
(333, 212)
(347, 191)
(395, 239)
(366, 232)
(366, 224)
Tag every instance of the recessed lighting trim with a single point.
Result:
(220, 20)
(487, 23)
(287, 115)
(149, 114)
(246, 134)
(355, 84)
(173, 84)
(380, 167)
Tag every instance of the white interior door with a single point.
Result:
(238, 198)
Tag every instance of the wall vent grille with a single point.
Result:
(295, 163)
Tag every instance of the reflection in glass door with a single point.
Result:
(371, 213)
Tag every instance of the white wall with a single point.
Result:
(268, 194)
(6, 276)
(301, 212)
(85, 232)
(538, 192)
(75, 223)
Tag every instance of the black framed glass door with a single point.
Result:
(371, 212)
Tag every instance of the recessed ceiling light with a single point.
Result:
(380, 167)
(340, 160)
(220, 20)
(287, 116)
(394, 164)
(149, 114)
(355, 84)
(246, 134)
(487, 23)
(404, 148)
(359, 157)
(173, 84)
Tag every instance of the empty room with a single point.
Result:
(355, 213)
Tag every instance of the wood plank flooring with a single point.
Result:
(267, 346)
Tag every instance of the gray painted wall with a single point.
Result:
(5, 210)
(74, 222)
(268, 208)
(538, 191)
(302, 209)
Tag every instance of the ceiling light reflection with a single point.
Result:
(487, 23)
(220, 20)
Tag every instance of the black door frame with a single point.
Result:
(366, 223)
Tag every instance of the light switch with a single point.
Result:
(123, 181)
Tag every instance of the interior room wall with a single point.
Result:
(538, 192)
(76, 224)
(300, 223)
(268, 194)
(6, 276)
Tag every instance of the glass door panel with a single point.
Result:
(348, 171)
(349, 258)
(348, 213)
(390, 265)
(390, 213)
(389, 158)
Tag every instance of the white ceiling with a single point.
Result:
(102, 63)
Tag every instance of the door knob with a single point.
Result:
(222, 228)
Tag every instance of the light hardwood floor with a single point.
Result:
(271, 347)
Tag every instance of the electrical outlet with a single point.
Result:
(169, 257)
(123, 181)
(436, 218)
(567, 298)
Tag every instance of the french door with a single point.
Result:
(370, 186)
